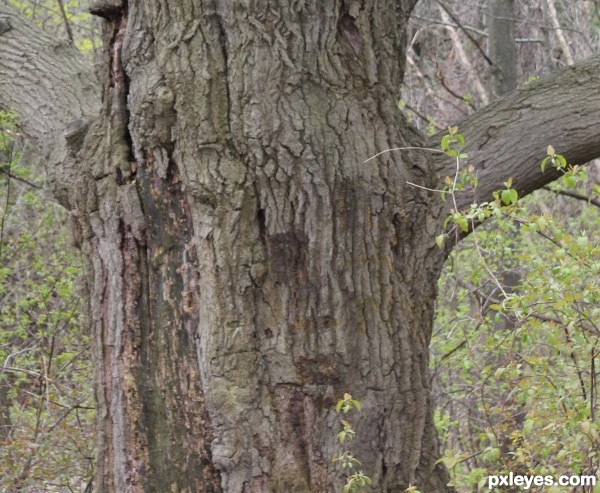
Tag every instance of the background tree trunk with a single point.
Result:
(502, 47)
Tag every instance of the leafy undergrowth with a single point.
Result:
(515, 362)
(46, 405)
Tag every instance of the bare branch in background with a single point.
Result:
(63, 14)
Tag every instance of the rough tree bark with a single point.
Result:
(244, 267)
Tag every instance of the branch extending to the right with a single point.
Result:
(509, 137)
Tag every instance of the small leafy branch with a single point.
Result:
(465, 178)
(357, 481)
(572, 174)
(505, 201)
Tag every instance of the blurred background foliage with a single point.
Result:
(47, 413)
(514, 358)
(46, 402)
(67, 19)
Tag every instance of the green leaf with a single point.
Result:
(463, 223)
(545, 161)
(439, 240)
(570, 181)
(492, 454)
(446, 140)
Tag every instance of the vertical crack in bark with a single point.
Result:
(350, 34)
(224, 44)
(118, 81)
(262, 225)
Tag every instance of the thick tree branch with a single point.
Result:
(47, 82)
(509, 138)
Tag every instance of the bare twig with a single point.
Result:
(575, 195)
(464, 59)
(63, 14)
(408, 148)
(454, 93)
(18, 178)
(453, 16)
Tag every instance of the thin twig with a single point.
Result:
(425, 188)
(575, 195)
(443, 23)
(408, 148)
(63, 14)
(18, 178)
(423, 117)
(466, 31)
(453, 92)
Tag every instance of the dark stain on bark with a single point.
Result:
(287, 253)
(402, 228)
(348, 32)
(262, 225)
(168, 385)
(296, 422)
(321, 369)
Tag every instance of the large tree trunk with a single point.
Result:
(245, 267)
(255, 269)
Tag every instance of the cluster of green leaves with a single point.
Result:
(46, 406)
(465, 180)
(356, 482)
(515, 355)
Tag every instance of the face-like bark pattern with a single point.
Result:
(310, 271)
(254, 268)
(245, 268)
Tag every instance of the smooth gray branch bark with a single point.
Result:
(47, 82)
